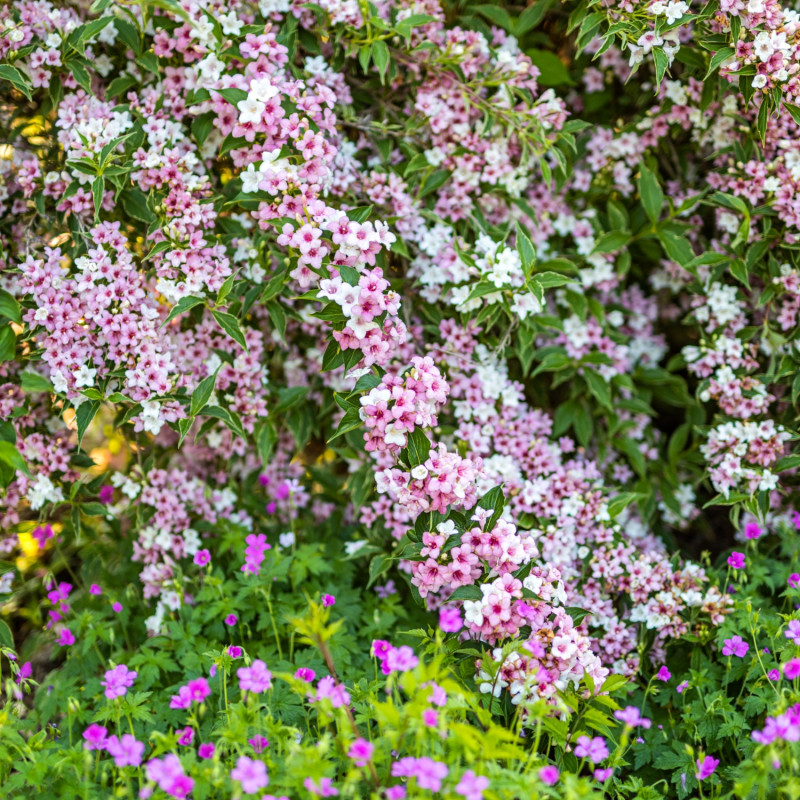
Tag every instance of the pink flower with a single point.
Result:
(593, 749)
(95, 589)
(116, 607)
(305, 674)
(774, 674)
(706, 767)
(793, 631)
(632, 718)
(186, 735)
(328, 600)
(106, 494)
(66, 638)
(472, 786)
(126, 751)
(361, 752)
(682, 687)
(735, 646)
(663, 674)
(234, 651)
(206, 750)
(324, 788)
(549, 775)
(736, 560)
(791, 669)
(430, 717)
(95, 736)
(231, 619)
(395, 793)
(450, 620)
(752, 531)
(603, 775)
(118, 680)
(794, 580)
(251, 774)
(255, 678)
(202, 557)
(258, 743)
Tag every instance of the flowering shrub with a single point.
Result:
(398, 399)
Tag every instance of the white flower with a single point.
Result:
(394, 435)
(191, 541)
(675, 11)
(43, 491)
(760, 81)
(250, 179)
(419, 473)
(286, 539)
(231, 25)
(353, 547)
(84, 376)
(250, 110)
(262, 90)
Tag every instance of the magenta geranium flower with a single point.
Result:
(735, 646)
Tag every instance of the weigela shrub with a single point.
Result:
(397, 399)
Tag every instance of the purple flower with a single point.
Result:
(118, 680)
(593, 749)
(126, 751)
(603, 775)
(735, 646)
(631, 717)
(361, 752)
(793, 631)
(169, 775)
(450, 620)
(663, 674)
(116, 607)
(106, 494)
(206, 750)
(328, 600)
(682, 687)
(472, 786)
(706, 767)
(234, 651)
(186, 735)
(305, 674)
(66, 638)
(324, 788)
(255, 678)
(251, 774)
(791, 669)
(794, 580)
(752, 531)
(95, 736)
(549, 775)
(231, 619)
(258, 743)
(202, 557)
(395, 793)
(95, 589)
(736, 560)
(774, 674)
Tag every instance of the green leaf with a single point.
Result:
(184, 304)
(202, 394)
(6, 637)
(267, 439)
(230, 325)
(9, 307)
(599, 388)
(8, 343)
(33, 382)
(651, 194)
(97, 194)
(84, 414)
(531, 17)
(11, 456)
(611, 242)
(499, 16)
(19, 81)
(552, 71)
(380, 55)
(719, 58)
(525, 248)
(418, 447)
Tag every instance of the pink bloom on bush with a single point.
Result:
(735, 646)
(705, 767)
(361, 752)
(251, 774)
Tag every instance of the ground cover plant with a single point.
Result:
(399, 399)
